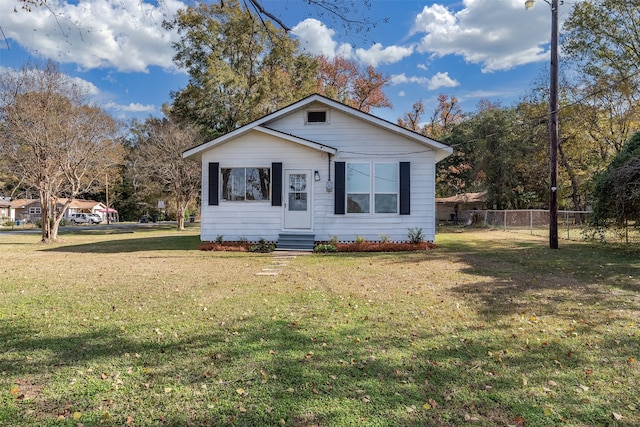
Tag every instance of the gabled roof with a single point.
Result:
(195, 153)
(464, 198)
(21, 203)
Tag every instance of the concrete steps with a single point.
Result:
(295, 242)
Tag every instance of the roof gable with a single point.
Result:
(262, 125)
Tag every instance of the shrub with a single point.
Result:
(415, 235)
(325, 247)
(219, 238)
(385, 238)
(359, 239)
(333, 239)
(262, 246)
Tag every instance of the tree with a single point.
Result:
(602, 37)
(445, 116)
(158, 148)
(617, 189)
(343, 80)
(51, 136)
(453, 173)
(240, 67)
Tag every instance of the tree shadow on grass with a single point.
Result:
(143, 244)
(258, 370)
(523, 275)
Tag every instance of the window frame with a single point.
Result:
(372, 190)
(224, 193)
(316, 122)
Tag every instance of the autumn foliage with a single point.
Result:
(343, 80)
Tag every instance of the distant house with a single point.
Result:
(31, 209)
(5, 205)
(457, 208)
(318, 169)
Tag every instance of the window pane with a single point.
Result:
(298, 182)
(257, 184)
(386, 203)
(246, 183)
(233, 184)
(358, 178)
(386, 178)
(316, 116)
(297, 201)
(357, 203)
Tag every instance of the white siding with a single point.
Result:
(356, 141)
(252, 220)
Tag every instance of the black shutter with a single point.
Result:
(276, 184)
(214, 176)
(405, 188)
(340, 190)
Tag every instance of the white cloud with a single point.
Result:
(497, 34)
(316, 38)
(441, 80)
(133, 107)
(397, 79)
(437, 81)
(376, 54)
(127, 36)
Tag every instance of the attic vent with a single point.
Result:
(316, 116)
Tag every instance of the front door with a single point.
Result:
(297, 206)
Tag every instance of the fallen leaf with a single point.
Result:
(15, 390)
(519, 422)
(552, 383)
(167, 389)
(77, 415)
(129, 421)
(547, 411)
(617, 416)
(240, 391)
(426, 406)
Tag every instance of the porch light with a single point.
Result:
(529, 4)
(316, 175)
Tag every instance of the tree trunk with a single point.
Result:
(575, 198)
(180, 211)
(45, 205)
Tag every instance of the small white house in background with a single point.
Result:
(314, 170)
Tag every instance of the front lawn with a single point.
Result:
(487, 329)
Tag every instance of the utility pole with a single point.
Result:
(553, 124)
(553, 131)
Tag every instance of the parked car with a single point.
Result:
(95, 218)
(84, 218)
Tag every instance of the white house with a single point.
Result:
(314, 170)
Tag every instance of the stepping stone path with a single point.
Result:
(277, 264)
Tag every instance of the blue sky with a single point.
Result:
(471, 49)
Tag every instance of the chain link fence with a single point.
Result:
(572, 225)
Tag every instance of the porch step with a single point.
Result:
(295, 242)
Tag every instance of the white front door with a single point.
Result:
(297, 205)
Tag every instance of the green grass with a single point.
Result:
(488, 329)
